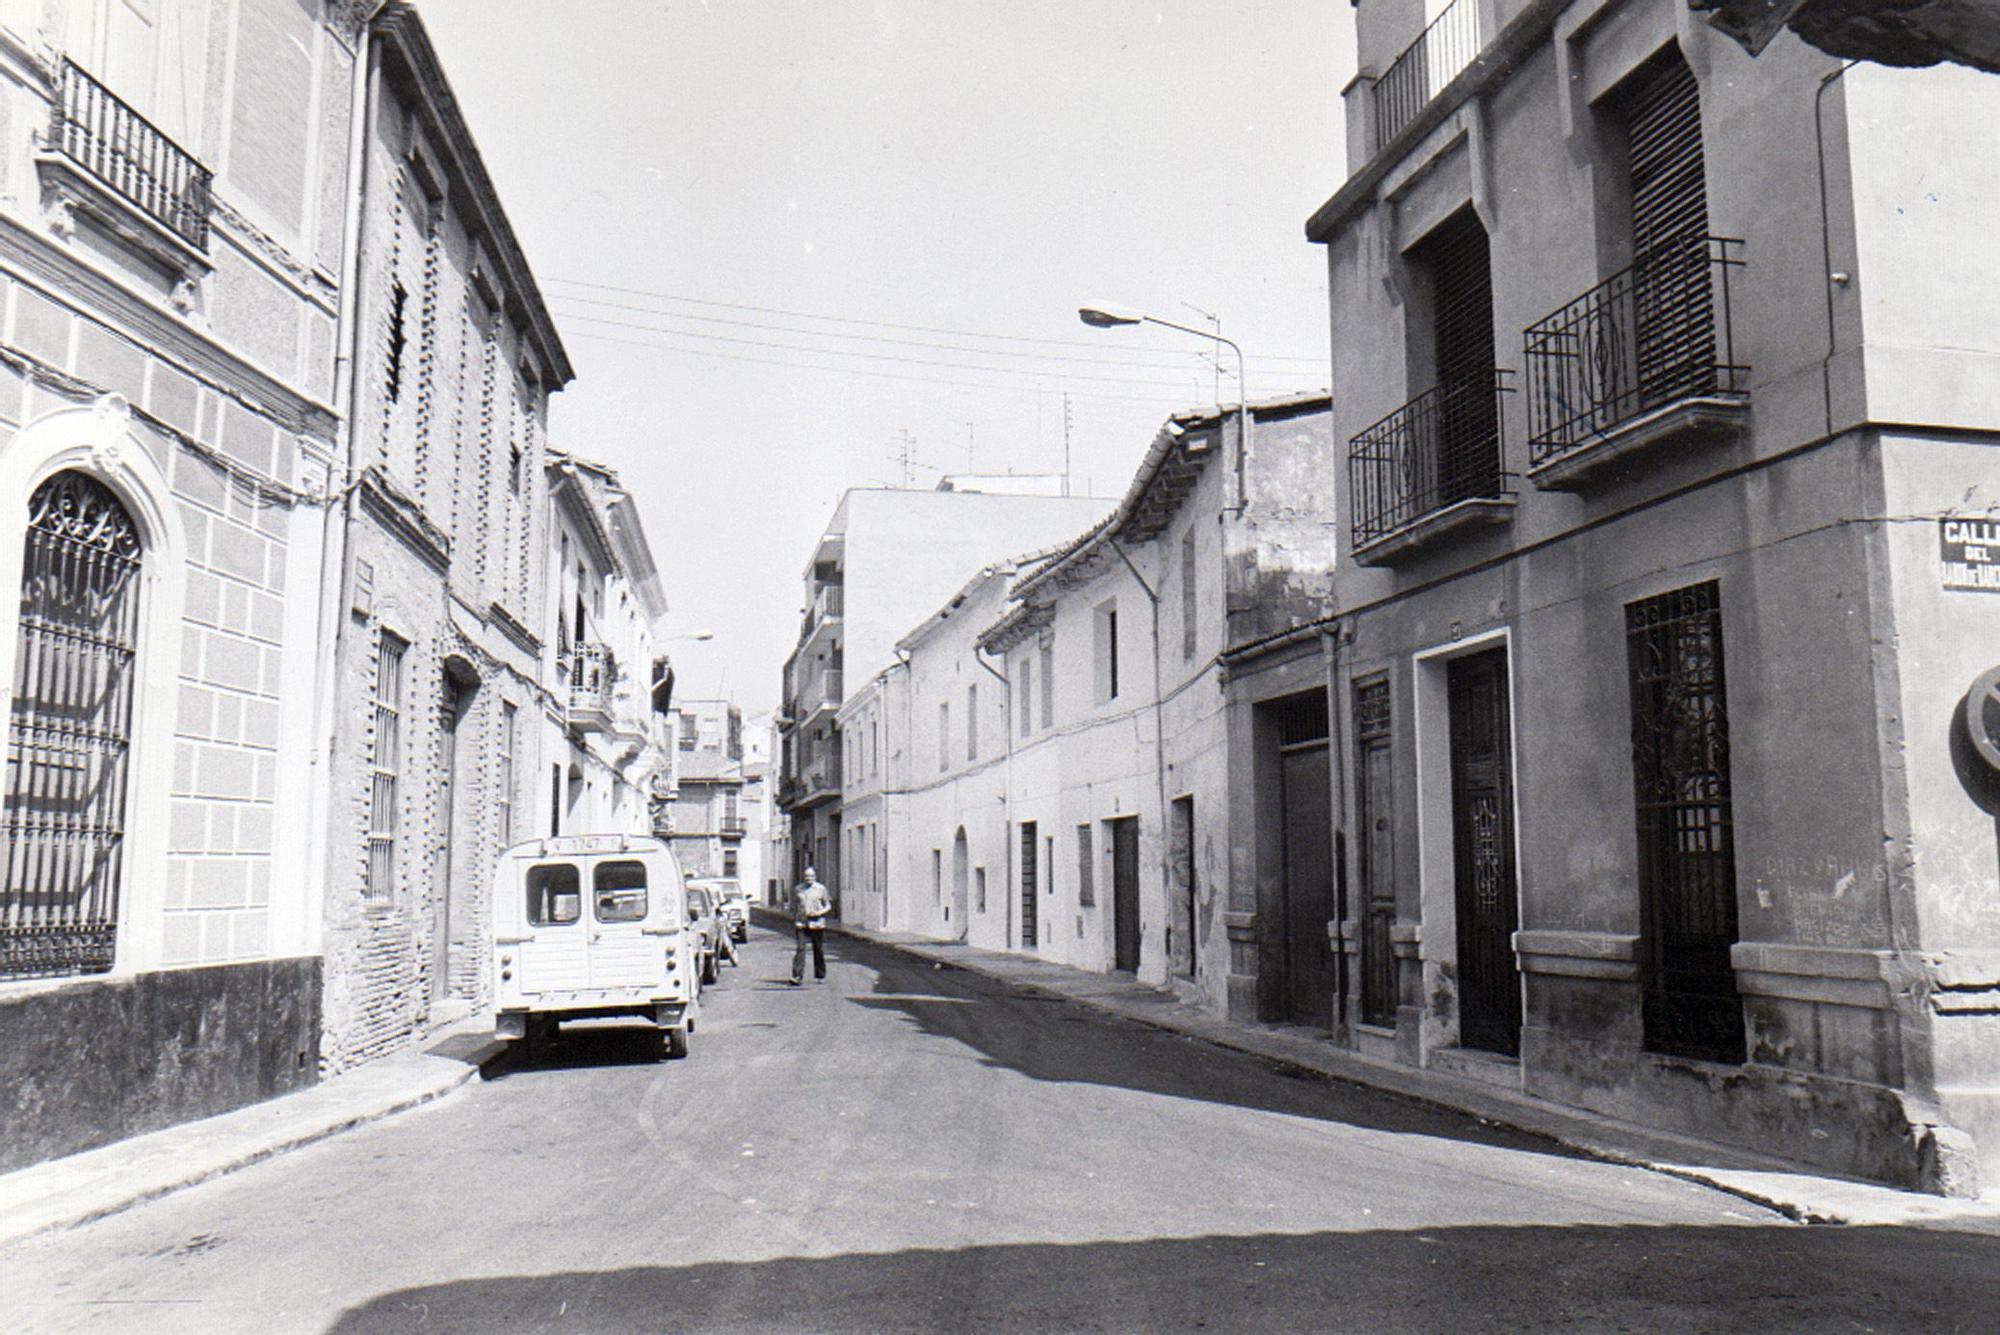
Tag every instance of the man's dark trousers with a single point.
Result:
(817, 935)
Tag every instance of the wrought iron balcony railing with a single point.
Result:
(1440, 448)
(93, 128)
(733, 827)
(1654, 334)
(1425, 67)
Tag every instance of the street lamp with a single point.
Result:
(1103, 315)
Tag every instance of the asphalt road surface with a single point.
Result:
(909, 1147)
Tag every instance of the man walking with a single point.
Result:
(810, 907)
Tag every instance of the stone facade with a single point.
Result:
(1651, 781)
(440, 673)
(175, 349)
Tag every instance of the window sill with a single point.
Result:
(1613, 456)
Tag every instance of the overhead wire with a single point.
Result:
(1185, 354)
(885, 324)
(1193, 395)
(872, 356)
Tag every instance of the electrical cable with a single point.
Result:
(875, 356)
(880, 324)
(1189, 353)
(879, 375)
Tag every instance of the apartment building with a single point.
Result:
(439, 639)
(1119, 771)
(1666, 379)
(173, 186)
(608, 734)
(710, 818)
(887, 558)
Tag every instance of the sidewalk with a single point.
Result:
(63, 1193)
(1785, 1187)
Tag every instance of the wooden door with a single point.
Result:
(1311, 981)
(1378, 854)
(1482, 826)
(1125, 894)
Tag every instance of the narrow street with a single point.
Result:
(912, 1147)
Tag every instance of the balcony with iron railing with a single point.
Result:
(592, 673)
(123, 159)
(828, 605)
(733, 827)
(1646, 359)
(1434, 467)
(1424, 68)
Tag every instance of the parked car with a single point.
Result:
(590, 926)
(705, 918)
(733, 903)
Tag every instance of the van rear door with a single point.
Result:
(622, 952)
(555, 957)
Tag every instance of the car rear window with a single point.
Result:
(555, 894)
(621, 891)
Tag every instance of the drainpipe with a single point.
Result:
(1337, 929)
(1159, 728)
(1007, 783)
(339, 514)
(1827, 272)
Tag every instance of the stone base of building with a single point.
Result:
(95, 1061)
(1843, 1126)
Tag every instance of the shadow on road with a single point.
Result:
(1047, 1037)
(1483, 1278)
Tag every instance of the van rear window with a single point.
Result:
(621, 891)
(555, 894)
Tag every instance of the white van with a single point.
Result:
(592, 925)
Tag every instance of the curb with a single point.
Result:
(94, 1184)
(1786, 1189)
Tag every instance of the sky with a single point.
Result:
(786, 242)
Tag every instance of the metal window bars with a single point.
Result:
(1686, 830)
(1441, 51)
(1441, 448)
(92, 127)
(1655, 333)
(69, 738)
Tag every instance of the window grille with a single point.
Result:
(69, 739)
(1086, 885)
(399, 300)
(1302, 719)
(1030, 932)
(1371, 709)
(510, 729)
(384, 764)
(1687, 850)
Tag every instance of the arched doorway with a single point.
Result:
(457, 867)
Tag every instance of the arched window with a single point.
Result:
(69, 737)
